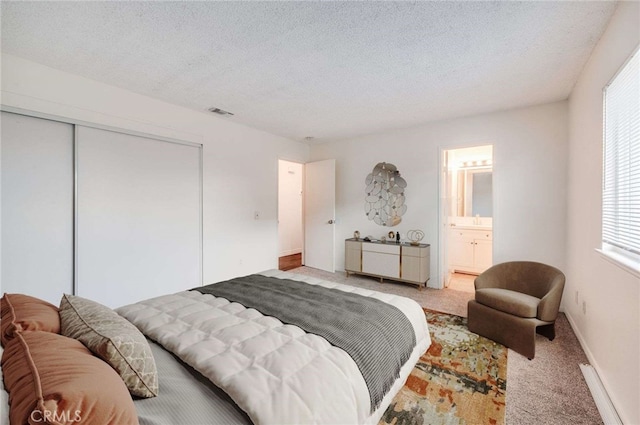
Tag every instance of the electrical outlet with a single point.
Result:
(577, 297)
(584, 307)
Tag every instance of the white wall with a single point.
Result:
(530, 154)
(240, 163)
(610, 329)
(290, 238)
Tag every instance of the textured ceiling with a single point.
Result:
(330, 70)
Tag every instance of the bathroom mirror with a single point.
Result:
(474, 192)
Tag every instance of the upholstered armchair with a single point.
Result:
(515, 300)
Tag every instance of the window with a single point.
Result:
(621, 185)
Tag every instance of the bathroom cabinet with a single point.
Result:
(470, 250)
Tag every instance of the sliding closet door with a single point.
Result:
(37, 206)
(138, 217)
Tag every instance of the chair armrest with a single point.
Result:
(550, 303)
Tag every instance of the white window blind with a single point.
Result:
(621, 185)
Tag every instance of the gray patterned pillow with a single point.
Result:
(112, 338)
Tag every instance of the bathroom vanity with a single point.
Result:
(470, 249)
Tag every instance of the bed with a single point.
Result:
(219, 359)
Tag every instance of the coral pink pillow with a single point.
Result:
(25, 313)
(53, 379)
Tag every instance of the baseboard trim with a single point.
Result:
(603, 401)
(594, 363)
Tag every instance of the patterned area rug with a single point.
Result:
(461, 379)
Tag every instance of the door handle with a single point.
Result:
(331, 221)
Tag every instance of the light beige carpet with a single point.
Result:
(548, 390)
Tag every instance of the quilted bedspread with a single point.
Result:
(277, 373)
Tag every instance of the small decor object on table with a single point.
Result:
(391, 235)
(356, 235)
(397, 237)
(415, 236)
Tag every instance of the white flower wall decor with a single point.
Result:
(384, 200)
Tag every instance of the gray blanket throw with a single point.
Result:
(377, 336)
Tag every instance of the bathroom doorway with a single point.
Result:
(466, 242)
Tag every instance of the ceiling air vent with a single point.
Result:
(219, 111)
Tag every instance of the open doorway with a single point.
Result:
(290, 215)
(306, 214)
(466, 247)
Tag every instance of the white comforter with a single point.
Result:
(276, 373)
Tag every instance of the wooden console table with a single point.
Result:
(389, 260)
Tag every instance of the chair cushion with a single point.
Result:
(512, 302)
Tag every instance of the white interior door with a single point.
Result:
(320, 208)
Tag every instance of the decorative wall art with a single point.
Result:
(384, 201)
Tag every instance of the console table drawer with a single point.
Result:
(381, 264)
(414, 251)
(384, 249)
